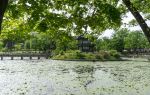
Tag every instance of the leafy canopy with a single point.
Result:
(75, 15)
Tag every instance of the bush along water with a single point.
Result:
(77, 55)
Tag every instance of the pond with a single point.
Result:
(49, 77)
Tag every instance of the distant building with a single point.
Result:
(85, 45)
(9, 44)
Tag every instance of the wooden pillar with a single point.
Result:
(46, 56)
(21, 57)
(12, 58)
(30, 57)
(38, 57)
(1, 57)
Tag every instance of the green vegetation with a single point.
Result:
(99, 15)
(64, 46)
(123, 39)
(99, 56)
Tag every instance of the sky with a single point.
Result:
(127, 19)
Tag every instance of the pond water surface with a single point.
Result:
(49, 77)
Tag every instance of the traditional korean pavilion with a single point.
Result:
(85, 45)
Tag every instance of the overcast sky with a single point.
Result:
(129, 17)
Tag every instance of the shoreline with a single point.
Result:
(90, 60)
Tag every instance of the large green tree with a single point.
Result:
(135, 40)
(118, 39)
(123, 39)
(75, 14)
(67, 14)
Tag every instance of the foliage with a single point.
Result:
(114, 53)
(103, 44)
(118, 38)
(142, 5)
(18, 47)
(73, 16)
(14, 29)
(1, 45)
(55, 21)
(77, 55)
(27, 44)
(123, 39)
(66, 14)
(136, 40)
(51, 14)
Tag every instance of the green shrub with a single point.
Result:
(104, 54)
(101, 55)
(27, 44)
(73, 51)
(70, 56)
(80, 55)
(59, 57)
(4, 50)
(17, 47)
(114, 53)
(90, 56)
(61, 52)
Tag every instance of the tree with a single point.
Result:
(3, 5)
(118, 39)
(14, 29)
(123, 39)
(66, 14)
(136, 40)
(96, 14)
(117, 42)
(104, 44)
(138, 17)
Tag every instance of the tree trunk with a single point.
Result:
(138, 17)
(3, 5)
